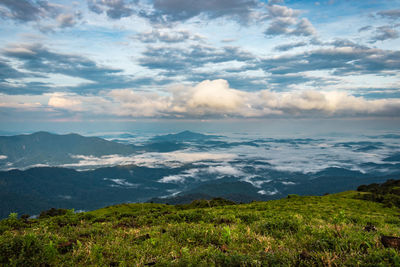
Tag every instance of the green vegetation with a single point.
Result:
(331, 230)
(387, 193)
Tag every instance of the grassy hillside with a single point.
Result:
(295, 231)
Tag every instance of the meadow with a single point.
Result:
(332, 230)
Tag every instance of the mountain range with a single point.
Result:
(31, 190)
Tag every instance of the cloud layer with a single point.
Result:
(216, 99)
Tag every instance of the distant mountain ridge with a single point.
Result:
(184, 136)
(44, 148)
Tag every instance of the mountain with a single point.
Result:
(53, 149)
(32, 190)
(184, 137)
(395, 157)
(21, 151)
(37, 189)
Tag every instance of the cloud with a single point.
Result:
(67, 20)
(286, 21)
(115, 9)
(391, 14)
(225, 170)
(268, 193)
(180, 178)
(36, 58)
(215, 99)
(8, 72)
(175, 61)
(181, 10)
(58, 101)
(208, 97)
(150, 160)
(121, 183)
(40, 11)
(365, 28)
(385, 33)
(343, 60)
(21, 10)
(167, 36)
(287, 47)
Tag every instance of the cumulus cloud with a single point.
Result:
(216, 99)
(286, 21)
(58, 101)
(208, 97)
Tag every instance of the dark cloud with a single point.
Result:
(285, 21)
(344, 60)
(279, 27)
(166, 36)
(365, 28)
(68, 20)
(172, 59)
(38, 59)
(8, 72)
(181, 10)
(114, 9)
(303, 28)
(38, 10)
(385, 33)
(391, 14)
(287, 47)
(22, 10)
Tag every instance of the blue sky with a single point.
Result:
(114, 60)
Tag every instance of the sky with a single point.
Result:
(128, 60)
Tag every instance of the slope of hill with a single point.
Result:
(32, 190)
(333, 230)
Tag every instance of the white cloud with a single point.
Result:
(225, 170)
(288, 183)
(216, 99)
(151, 160)
(121, 183)
(268, 193)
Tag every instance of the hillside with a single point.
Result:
(36, 189)
(332, 230)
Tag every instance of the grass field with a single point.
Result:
(295, 231)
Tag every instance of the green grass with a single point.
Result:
(295, 231)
